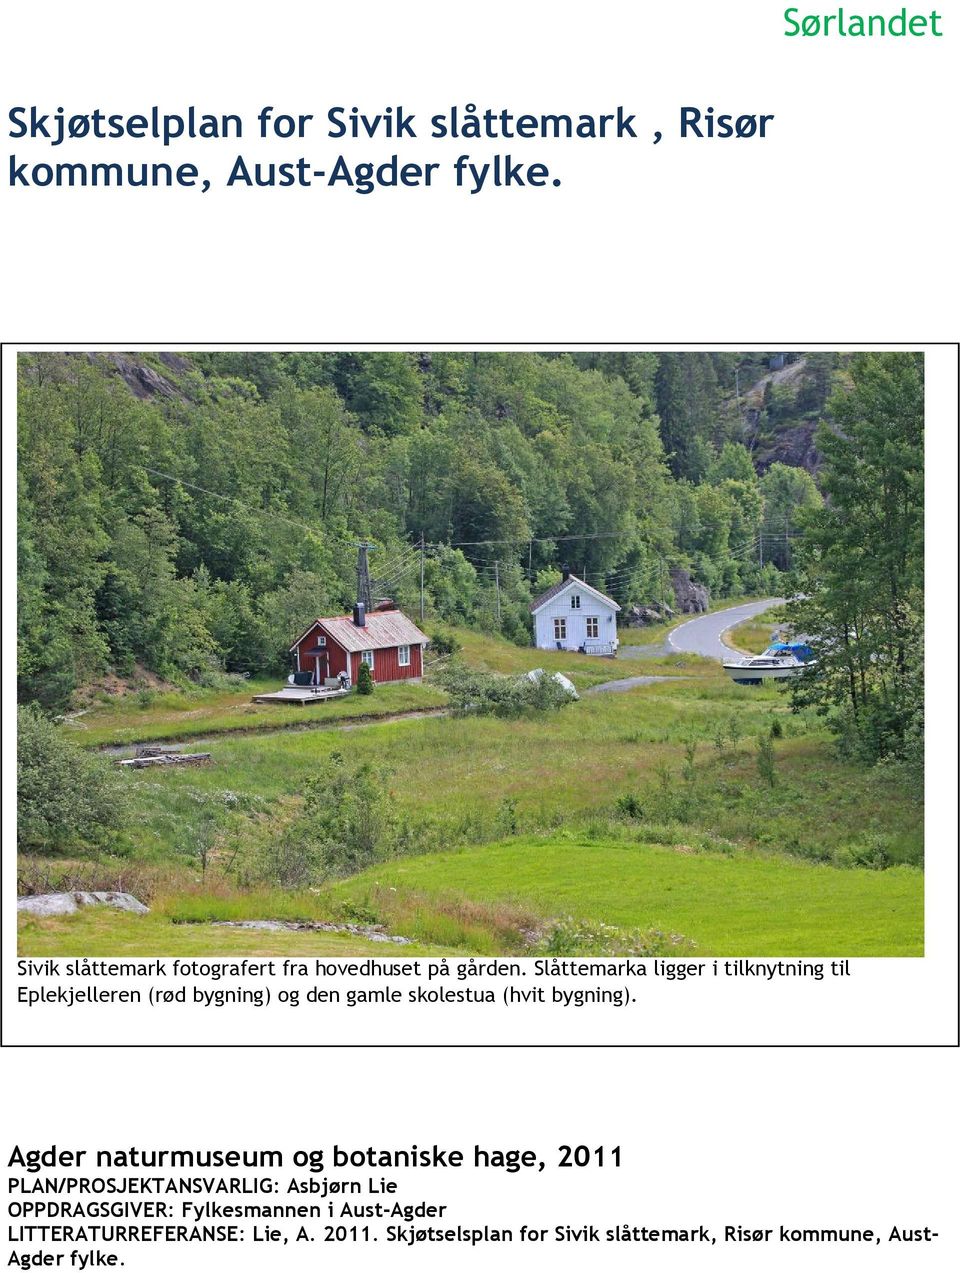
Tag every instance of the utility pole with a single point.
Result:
(422, 548)
(496, 579)
(364, 588)
(761, 549)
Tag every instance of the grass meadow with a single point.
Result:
(753, 636)
(720, 903)
(637, 810)
(174, 715)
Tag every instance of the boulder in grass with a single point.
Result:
(69, 903)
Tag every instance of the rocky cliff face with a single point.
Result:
(143, 380)
(691, 598)
(794, 446)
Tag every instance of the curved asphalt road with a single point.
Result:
(703, 635)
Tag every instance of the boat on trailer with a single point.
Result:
(779, 661)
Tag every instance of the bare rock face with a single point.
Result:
(69, 903)
(174, 361)
(795, 446)
(691, 598)
(143, 380)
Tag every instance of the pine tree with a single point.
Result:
(863, 575)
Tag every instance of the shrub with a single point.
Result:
(444, 643)
(872, 853)
(630, 806)
(776, 729)
(507, 822)
(765, 760)
(65, 795)
(348, 822)
(364, 680)
(488, 694)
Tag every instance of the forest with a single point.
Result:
(187, 514)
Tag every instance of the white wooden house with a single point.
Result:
(573, 616)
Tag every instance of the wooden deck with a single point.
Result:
(299, 696)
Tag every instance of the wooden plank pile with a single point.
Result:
(149, 756)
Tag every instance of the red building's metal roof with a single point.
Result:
(383, 630)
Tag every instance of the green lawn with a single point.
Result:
(584, 670)
(197, 713)
(484, 899)
(754, 635)
(737, 904)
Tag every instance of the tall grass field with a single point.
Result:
(625, 821)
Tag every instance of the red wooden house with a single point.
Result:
(385, 639)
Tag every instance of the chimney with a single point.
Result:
(565, 569)
(359, 616)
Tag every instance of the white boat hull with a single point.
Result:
(751, 674)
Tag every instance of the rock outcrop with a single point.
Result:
(142, 380)
(690, 597)
(795, 446)
(641, 616)
(70, 903)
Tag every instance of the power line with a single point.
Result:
(530, 539)
(231, 499)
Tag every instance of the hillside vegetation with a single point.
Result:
(183, 517)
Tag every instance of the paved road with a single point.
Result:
(703, 634)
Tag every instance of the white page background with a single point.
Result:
(841, 228)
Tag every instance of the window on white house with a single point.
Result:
(560, 629)
(367, 657)
(575, 601)
(403, 655)
(593, 626)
